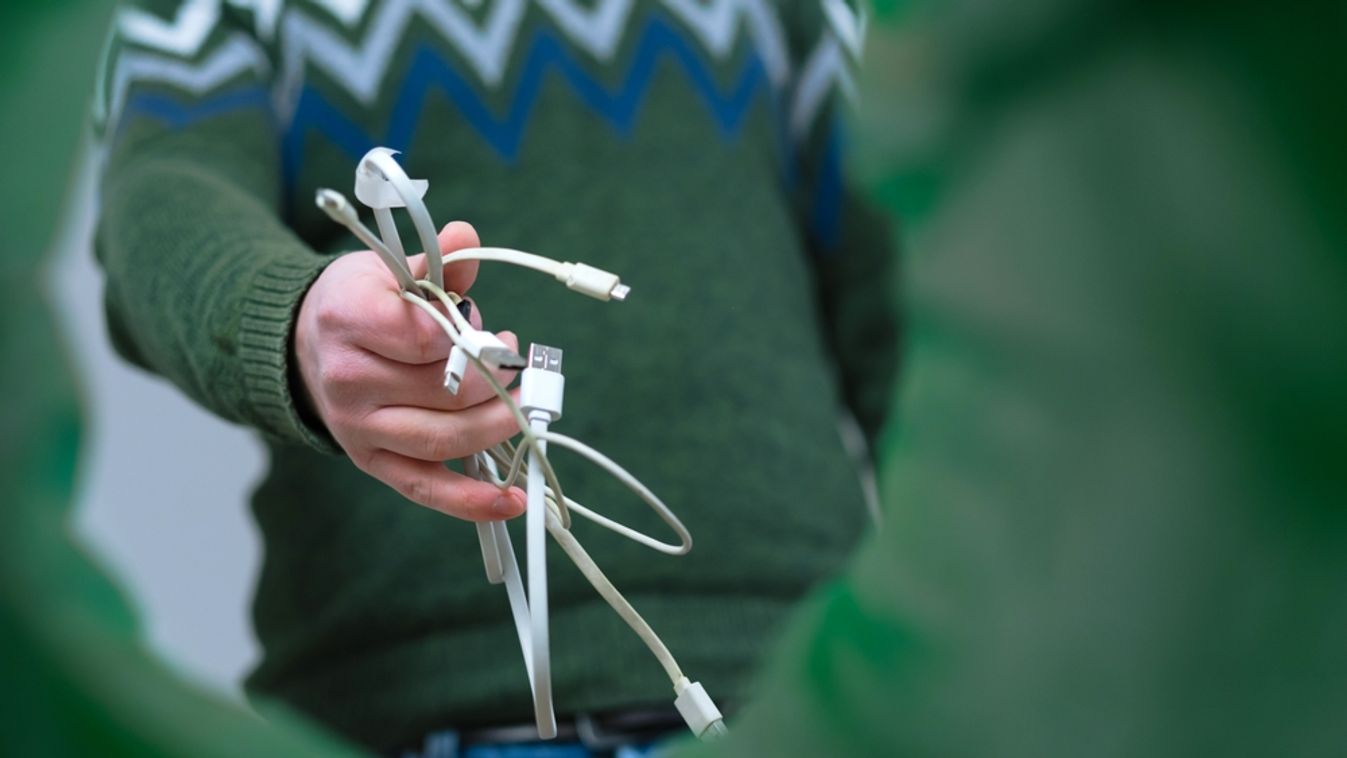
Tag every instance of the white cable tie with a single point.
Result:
(379, 164)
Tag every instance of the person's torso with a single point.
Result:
(646, 138)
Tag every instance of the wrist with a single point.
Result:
(278, 394)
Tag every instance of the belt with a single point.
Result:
(597, 731)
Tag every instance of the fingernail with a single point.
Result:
(507, 507)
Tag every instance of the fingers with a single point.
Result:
(364, 380)
(438, 488)
(398, 330)
(431, 435)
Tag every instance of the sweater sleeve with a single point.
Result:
(850, 241)
(203, 277)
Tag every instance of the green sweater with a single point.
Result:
(695, 153)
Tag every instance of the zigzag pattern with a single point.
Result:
(183, 36)
(361, 67)
(346, 11)
(823, 72)
(619, 107)
(504, 133)
(239, 53)
(596, 30)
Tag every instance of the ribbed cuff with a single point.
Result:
(269, 312)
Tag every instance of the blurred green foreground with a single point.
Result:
(76, 680)
(1114, 493)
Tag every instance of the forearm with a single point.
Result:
(203, 282)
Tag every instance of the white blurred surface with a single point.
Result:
(162, 496)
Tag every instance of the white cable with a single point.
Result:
(537, 436)
(491, 560)
(388, 230)
(381, 160)
(541, 391)
(633, 484)
(605, 588)
(536, 549)
(502, 566)
(579, 277)
(505, 255)
(519, 611)
(339, 209)
(382, 184)
(478, 344)
(692, 701)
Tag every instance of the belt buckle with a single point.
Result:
(595, 736)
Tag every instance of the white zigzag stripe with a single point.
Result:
(597, 30)
(183, 36)
(239, 53)
(346, 11)
(266, 12)
(192, 24)
(825, 67)
(361, 68)
(715, 25)
(848, 25)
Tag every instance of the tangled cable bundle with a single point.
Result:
(382, 185)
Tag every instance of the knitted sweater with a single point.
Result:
(693, 148)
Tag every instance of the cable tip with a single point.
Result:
(454, 368)
(698, 710)
(333, 203)
(715, 731)
(502, 358)
(620, 292)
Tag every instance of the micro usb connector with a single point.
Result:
(595, 282)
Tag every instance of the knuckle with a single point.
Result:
(377, 313)
(426, 338)
(419, 489)
(365, 459)
(359, 421)
(442, 440)
(337, 421)
(340, 373)
(330, 314)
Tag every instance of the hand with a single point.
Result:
(373, 367)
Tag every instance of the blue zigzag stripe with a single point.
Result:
(504, 134)
(166, 109)
(825, 220)
(620, 108)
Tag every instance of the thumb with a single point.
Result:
(457, 235)
(459, 275)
